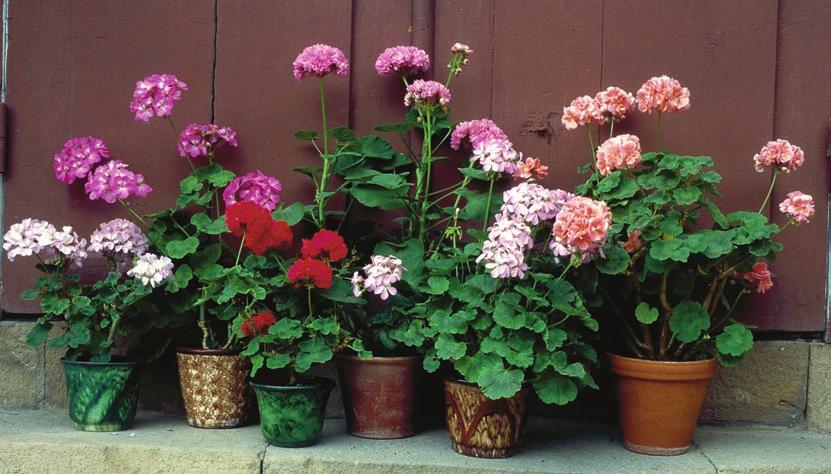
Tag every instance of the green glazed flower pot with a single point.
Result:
(291, 416)
(102, 396)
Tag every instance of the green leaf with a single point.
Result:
(305, 134)
(475, 173)
(498, 382)
(210, 272)
(30, 295)
(341, 291)
(674, 249)
(312, 351)
(447, 348)
(686, 196)
(688, 320)
(554, 388)
(180, 248)
(286, 328)
(438, 285)
(374, 146)
(378, 197)
(476, 203)
(554, 338)
(609, 182)
(327, 326)
(646, 314)
(277, 361)
(735, 340)
(616, 261)
(411, 253)
(444, 322)
(626, 189)
(291, 214)
(256, 363)
(204, 223)
(190, 185)
(38, 334)
(401, 127)
(505, 311)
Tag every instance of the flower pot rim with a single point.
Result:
(662, 362)
(662, 370)
(380, 360)
(128, 363)
(206, 352)
(309, 382)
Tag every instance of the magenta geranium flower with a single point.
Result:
(319, 60)
(405, 60)
(201, 140)
(155, 96)
(422, 92)
(77, 158)
(474, 132)
(113, 181)
(255, 186)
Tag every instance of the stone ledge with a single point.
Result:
(43, 441)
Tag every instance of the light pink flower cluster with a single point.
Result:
(582, 227)
(429, 93)
(113, 181)
(255, 186)
(474, 132)
(405, 60)
(662, 94)
(380, 276)
(617, 153)
(531, 168)
(155, 95)
(118, 239)
(77, 158)
(531, 203)
(780, 154)
(151, 269)
(759, 276)
(798, 206)
(583, 110)
(319, 60)
(201, 140)
(497, 155)
(615, 102)
(38, 237)
(460, 57)
(503, 253)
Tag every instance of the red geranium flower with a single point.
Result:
(261, 232)
(277, 236)
(326, 245)
(258, 324)
(311, 273)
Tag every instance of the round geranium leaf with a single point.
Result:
(646, 314)
(735, 340)
(688, 320)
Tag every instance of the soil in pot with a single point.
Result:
(102, 396)
(481, 427)
(660, 402)
(291, 416)
(214, 387)
(379, 395)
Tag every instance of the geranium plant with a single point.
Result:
(676, 267)
(98, 312)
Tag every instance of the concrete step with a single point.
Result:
(43, 441)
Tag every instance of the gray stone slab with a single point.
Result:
(819, 387)
(21, 367)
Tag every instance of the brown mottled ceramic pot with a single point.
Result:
(660, 402)
(379, 395)
(214, 387)
(481, 427)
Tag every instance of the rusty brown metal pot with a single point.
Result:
(660, 402)
(481, 427)
(379, 395)
(214, 387)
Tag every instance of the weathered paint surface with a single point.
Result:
(753, 67)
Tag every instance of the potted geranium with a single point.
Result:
(673, 275)
(101, 314)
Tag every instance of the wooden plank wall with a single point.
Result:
(755, 69)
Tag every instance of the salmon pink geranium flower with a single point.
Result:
(615, 102)
(583, 110)
(779, 154)
(582, 227)
(617, 153)
(662, 94)
(798, 206)
(759, 277)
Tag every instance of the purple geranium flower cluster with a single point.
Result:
(474, 132)
(201, 140)
(113, 181)
(405, 60)
(429, 93)
(319, 60)
(155, 95)
(77, 158)
(118, 239)
(255, 186)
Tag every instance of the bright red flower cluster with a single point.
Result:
(325, 245)
(311, 273)
(258, 324)
(254, 223)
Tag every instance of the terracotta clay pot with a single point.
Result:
(660, 402)
(481, 427)
(214, 387)
(379, 395)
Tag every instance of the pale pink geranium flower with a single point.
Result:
(319, 60)
(497, 156)
(531, 203)
(254, 186)
(28, 237)
(429, 93)
(582, 227)
(118, 239)
(155, 95)
(583, 110)
(77, 158)
(460, 57)
(382, 273)
(759, 276)
(503, 253)
(617, 153)
(531, 168)
(201, 140)
(663, 94)
(780, 154)
(798, 206)
(152, 270)
(113, 181)
(404, 60)
(473, 132)
(615, 102)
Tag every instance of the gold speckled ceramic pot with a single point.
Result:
(214, 387)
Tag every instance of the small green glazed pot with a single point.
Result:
(291, 416)
(102, 396)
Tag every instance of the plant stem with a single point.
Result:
(773, 177)
(663, 345)
(488, 205)
(113, 327)
(658, 134)
(203, 325)
(591, 143)
(426, 165)
(324, 178)
(239, 252)
(131, 211)
(612, 127)
(309, 300)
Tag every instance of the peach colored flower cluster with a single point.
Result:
(759, 276)
(633, 242)
(615, 102)
(663, 94)
(798, 206)
(620, 152)
(582, 111)
(582, 226)
(780, 154)
(531, 168)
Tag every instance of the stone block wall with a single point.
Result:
(779, 383)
